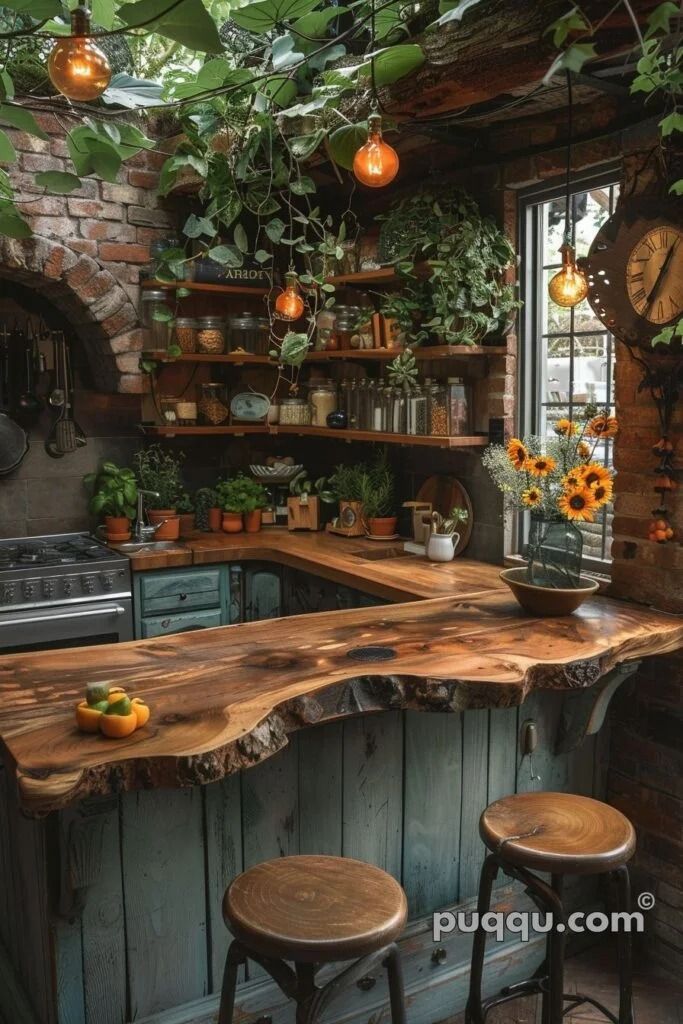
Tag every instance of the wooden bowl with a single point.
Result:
(547, 601)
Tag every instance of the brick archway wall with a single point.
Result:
(90, 297)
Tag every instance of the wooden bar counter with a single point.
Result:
(115, 853)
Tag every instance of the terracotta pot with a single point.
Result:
(232, 522)
(547, 601)
(384, 527)
(252, 520)
(187, 523)
(170, 529)
(117, 528)
(215, 519)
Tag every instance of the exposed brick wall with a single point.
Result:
(88, 249)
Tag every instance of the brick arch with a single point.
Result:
(96, 305)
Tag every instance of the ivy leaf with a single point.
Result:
(266, 14)
(311, 30)
(571, 59)
(303, 146)
(126, 91)
(672, 123)
(241, 240)
(12, 223)
(275, 229)
(660, 18)
(226, 255)
(283, 52)
(302, 186)
(280, 89)
(6, 86)
(346, 141)
(189, 23)
(677, 187)
(103, 13)
(452, 10)
(38, 9)
(21, 118)
(261, 256)
(8, 154)
(197, 226)
(394, 62)
(59, 182)
(572, 21)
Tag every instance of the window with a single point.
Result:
(567, 356)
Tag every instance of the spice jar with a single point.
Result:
(399, 412)
(438, 410)
(249, 333)
(459, 407)
(167, 408)
(212, 406)
(156, 315)
(210, 335)
(417, 412)
(323, 401)
(186, 333)
(295, 412)
(186, 413)
(325, 331)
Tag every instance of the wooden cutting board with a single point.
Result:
(445, 493)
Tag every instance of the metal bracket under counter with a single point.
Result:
(583, 711)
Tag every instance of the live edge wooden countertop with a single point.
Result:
(226, 698)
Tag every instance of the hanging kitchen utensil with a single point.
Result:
(66, 436)
(13, 444)
(81, 440)
(29, 406)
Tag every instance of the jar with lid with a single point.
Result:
(351, 405)
(438, 410)
(186, 333)
(212, 407)
(167, 408)
(211, 335)
(295, 412)
(378, 400)
(459, 407)
(346, 325)
(325, 331)
(417, 412)
(322, 397)
(249, 333)
(156, 316)
(399, 411)
(186, 413)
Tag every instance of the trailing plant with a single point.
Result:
(115, 491)
(159, 470)
(241, 494)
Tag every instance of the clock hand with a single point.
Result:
(660, 275)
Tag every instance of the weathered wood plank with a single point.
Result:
(223, 838)
(373, 790)
(432, 810)
(475, 765)
(163, 872)
(320, 789)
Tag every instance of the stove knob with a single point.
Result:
(88, 584)
(67, 586)
(48, 588)
(29, 589)
(107, 580)
(7, 593)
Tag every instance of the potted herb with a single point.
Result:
(186, 514)
(346, 486)
(304, 507)
(115, 495)
(208, 512)
(158, 471)
(378, 499)
(242, 501)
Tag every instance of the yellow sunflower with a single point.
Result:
(583, 450)
(532, 497)
(540, 465)
(517, 452)
(578, 505)
(602, 426)
(573, 479)
(566, 428)
(593, 473)
(603, 492)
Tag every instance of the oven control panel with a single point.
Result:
(64, 588)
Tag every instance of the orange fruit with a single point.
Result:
(141, 710)
(118, 726)
(669, 533)
(661, 524)
(87, 718)
(660, 536)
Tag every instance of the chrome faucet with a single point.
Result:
(144, 532)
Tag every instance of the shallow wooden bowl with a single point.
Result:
(547, 601)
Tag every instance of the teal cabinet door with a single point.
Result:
(165, 625)
(179, 591)
(263, 594)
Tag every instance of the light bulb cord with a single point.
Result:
(568, 185)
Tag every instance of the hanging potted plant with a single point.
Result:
(115, 496)
(158, 471)
(561, 484)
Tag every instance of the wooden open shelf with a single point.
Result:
(383, 276)
(364, 355)
(238, 430)
(205, 286)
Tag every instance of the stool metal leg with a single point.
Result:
(234, 960)
(624, 949)
(558, 942)
(395, 978)
(474, 1013)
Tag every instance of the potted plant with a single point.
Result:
(346, 486)
(242, 501)
(444, 539)
(186, 514)
(208, 512)
(378, 499)
(158, 471)
(304, 507)
(559, 482)
(115, 496)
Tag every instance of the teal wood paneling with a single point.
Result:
(545, 710)
(178, 591)
(263, 593)
(69, 978)
(475, 766)
(165, 896)
(373, 790)
(320, 789)
(164, 625)
(223, 839)
(432, 809)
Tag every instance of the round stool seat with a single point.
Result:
(315, 909)
(558, 832)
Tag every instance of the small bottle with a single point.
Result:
(459, 408)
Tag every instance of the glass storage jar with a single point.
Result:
(249, 333)
(323, 400)
(459, 407)
(186, 413)
(156, 316)
(351, 405)
(211, 335)
(186, 333)
(399, 411)
(325, 331)
(167, 408)
(417, 412)
(295, 412)
(213, 407)
(438, 410)
(347, 319)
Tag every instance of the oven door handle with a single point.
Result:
(89, 612)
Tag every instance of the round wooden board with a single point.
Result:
(445, 493)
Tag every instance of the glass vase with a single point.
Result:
(554, 553)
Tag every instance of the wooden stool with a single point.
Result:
(564, 835)
(313, 911)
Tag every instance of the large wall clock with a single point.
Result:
(635, 269)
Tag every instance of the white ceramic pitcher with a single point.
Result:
(441, 546)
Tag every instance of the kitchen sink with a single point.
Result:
(132, 546)
(380, 553)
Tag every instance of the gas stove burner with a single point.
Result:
(69, 549)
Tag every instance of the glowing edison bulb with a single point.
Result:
(375, 164)
(76, 66)
(569, 285)
(289, 305)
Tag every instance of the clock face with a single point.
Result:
(654, 275)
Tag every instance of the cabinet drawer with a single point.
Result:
(179, 591)
(164, 625)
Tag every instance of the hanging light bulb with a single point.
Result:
(376, 163)
(77, 67)
(570, 285)
(289, 304)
